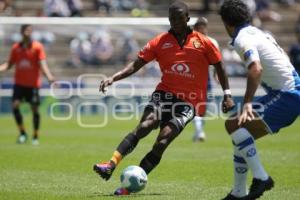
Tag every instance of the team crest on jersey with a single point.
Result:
(197, 44)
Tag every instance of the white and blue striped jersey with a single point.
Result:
(252, 44)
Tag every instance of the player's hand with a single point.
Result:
(105, 83)
(227, 104)
(53, 83)
(247, 114)
(3, 67)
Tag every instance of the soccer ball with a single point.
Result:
(134, 178)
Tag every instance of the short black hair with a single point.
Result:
(235, 13)
(179, 5)
(24, 27)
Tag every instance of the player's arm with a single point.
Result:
(5, 66)
(46, 71)
(247, 49)
(228, 103)
(130, 69)
(253, 80)
(222, 77)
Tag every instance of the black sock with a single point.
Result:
(149, 162)
(36, 120)
(128, 144)
(18, 118)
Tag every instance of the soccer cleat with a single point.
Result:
(121, 191)
(258, 187)
(105, 169)
(35, 142)
(22, 139)
(231, 197)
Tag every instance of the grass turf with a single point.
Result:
(61, 166)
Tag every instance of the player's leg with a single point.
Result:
(149, 121)
(167, 134)
(175, 115)
(172, 125)
(36, 119)
(16, 102)
(19, 121)
(33, 98)
(199, 134)
(276, 110)
(245, 155)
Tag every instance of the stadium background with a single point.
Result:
(60, 167)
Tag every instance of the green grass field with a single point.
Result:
(61, 166)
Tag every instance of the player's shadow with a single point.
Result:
(95, 195)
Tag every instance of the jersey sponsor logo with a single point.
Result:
(180, 69)
(167, 45)
(197, 44)
(248, 54)
(24, 64)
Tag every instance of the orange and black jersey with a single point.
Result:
(184, 68)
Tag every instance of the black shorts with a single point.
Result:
(29, 94)
(170, 109)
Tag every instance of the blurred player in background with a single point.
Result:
(29, 59)
(269, 66)
(184, 56)
(201, 26)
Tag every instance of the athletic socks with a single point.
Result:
(125, 147)
(149, 162)
(245, 145)
(19, 120)
(116, 158)
(36, 120)
(18, 116)
(198, 122)
(240, 174)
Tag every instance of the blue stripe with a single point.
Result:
(296, 79)
(245, 143)
(239, 159)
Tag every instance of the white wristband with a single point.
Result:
(227, 92)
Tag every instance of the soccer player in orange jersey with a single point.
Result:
(29, 59)
(183, 56)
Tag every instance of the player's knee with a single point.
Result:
(149, 124)
(176, 125)
(36, 113)
(230, 126)
(15, 105)
(35, 109)
(160, 146)
(166, 136)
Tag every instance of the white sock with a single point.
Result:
(240, 174)
(198, 122)
(245, 145)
